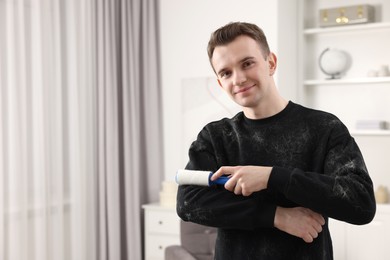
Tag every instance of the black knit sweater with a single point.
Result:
(316, 164)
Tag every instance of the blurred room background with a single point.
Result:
(100, 100)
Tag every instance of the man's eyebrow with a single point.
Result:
(246, 59)
(241, 61)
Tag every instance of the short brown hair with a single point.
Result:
(226, 34)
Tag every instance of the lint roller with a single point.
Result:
(201, 178)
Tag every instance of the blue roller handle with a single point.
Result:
(220, 181)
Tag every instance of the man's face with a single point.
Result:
(243, 72)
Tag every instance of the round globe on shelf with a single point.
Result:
(334, 63)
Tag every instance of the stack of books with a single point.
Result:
(168, 194)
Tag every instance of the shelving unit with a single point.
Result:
(370, 133)
(367, 52)
(347, 28)
(334, 31)
(353, 97)
(346, 81)
(385, 133)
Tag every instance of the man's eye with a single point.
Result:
(247, 64)
(224, 74)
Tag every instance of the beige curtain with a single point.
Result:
(46, 145)
(80, 127)
(129, 123)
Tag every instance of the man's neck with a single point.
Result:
(266, 109)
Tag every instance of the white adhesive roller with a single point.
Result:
(201, 178)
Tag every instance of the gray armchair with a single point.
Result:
(197, 243)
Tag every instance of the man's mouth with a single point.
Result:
(242, 90)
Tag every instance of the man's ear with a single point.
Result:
(219, 83)
(272, 62)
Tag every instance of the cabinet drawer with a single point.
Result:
(156, 244)
(162, 222)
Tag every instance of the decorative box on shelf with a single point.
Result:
(347, 15)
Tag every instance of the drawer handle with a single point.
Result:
(160, 222)
(160, 247)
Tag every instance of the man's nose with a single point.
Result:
(239, 78)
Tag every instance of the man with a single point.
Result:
(290, 168)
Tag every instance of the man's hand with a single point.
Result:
(244, 179)
(299, 222)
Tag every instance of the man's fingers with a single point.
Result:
(318, 228)
(310, 235)
(237, 189)
(216, 175)
(225, 170)
(317, 218)
(231, 184)
(308, 238)
(313, 233)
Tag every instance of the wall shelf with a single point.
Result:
(347, 28)
(370, 132)
(366, 80)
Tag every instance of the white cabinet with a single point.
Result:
(162, 228)
(351, 242)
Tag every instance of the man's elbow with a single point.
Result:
(370, 214)
(366, 215)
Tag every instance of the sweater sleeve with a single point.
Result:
(343, 191)
(215, 206)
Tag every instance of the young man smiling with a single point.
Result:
(290, 167)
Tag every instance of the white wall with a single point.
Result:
(185, 28)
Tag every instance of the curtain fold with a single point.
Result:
(80, 127)
(129, 122)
